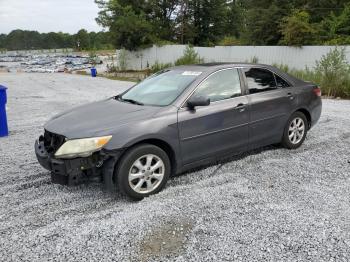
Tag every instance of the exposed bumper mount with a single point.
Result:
(69, 171)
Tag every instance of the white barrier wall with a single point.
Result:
(294, 57)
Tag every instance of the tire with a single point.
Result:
(295, 131)
(136, 165)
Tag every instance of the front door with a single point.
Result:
(222, 126)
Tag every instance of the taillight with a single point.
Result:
(317, 91)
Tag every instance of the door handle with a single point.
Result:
(240, 107)
(290, 96)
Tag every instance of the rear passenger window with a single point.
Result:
(260, 80)
(281, 83)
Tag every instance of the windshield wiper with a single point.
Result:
(131, 101)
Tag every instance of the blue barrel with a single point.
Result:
(3, 119)
(93, 72)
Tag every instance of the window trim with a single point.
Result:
(263, 67)
(290, 85)
(241, 83)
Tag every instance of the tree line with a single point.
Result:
(33, 40)
(133, 24)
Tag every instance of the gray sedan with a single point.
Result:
(175, 120)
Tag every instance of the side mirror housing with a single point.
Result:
(198, 101)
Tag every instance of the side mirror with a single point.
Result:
(198, 101)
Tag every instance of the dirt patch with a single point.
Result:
(346, 135)
(167, 240)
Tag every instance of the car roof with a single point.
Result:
(208, 67)
(216, 64)
(211, 66)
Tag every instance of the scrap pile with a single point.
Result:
(46, 63)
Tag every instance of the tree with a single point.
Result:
(184, 30)
(209, 22)
(319, 9)
(67, 40)
(134, 24)
(16, 40)
(3, 41)
(297, 30)
(82, 39)
(201, 22)
(161, 15)
(212, 22)
(127, 24)
(52, 40)
(261, 21)
(26, 40)
(336, 28)
(234, 18)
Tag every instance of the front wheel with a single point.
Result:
(295, 131)
(142, 171)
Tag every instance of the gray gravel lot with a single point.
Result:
(271, 204)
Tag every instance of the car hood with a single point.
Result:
(98, 118)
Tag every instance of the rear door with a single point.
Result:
(272, 100)
(222, 126)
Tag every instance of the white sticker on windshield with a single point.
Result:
(191, 73)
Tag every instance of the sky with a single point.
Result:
(68, 16)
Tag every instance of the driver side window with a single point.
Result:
(221, 85)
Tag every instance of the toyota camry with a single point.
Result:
(175, 120)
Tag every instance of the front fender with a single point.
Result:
(162, 128)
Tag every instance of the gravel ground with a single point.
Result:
(270, 204)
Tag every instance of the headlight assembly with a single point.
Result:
(81, 147)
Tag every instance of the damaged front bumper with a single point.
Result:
(70, 171)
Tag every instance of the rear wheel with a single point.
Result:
(142, 171)
(295, 131)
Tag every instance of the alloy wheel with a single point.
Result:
(296, 130)
(146, 173)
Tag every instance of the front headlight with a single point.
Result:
(81, 147)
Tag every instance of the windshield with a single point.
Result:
(160, 89)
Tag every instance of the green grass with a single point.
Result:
(332, 85)
(331, 73)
